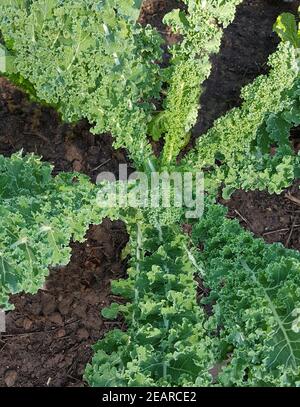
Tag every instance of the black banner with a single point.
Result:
(142, 396)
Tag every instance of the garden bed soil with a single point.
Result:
(49, 335)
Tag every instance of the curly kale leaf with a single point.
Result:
(39, 215)
(89, 59)
(256, 297)
(231, 151)
(201, 28)
(165, 343)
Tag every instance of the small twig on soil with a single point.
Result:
(242, 217)
(63, 338)
(37, 135)
(291, 232)
(3, 347)
(279, 230)
(101, 165)
(71, 322)
(74, 378)
(39, 332)
(11, 143)
(24, 334)
(117, 298)
(245, 73)
(292, 199)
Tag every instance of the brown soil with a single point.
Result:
(49, 335)
(28, 126)
(246, 45)
(275, 218)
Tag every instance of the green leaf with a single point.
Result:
(111, 312)
(89, 60)
(279, 129)
(254, 292)
(157, 126)
(286, 28)
(285, 342)
(7, 61)
(39, 215)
